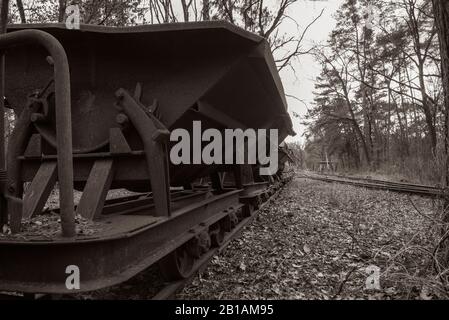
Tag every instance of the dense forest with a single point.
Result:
(379, 102)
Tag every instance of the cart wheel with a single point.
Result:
(177, 265)
(216, 235)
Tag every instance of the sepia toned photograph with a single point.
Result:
(235, 157)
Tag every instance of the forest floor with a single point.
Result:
(318, 240)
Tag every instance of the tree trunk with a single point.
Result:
(426, 108)
(206, 10)
(166, 6)
(441, 11)
(21, 11)
(185, 10)
(61, 12)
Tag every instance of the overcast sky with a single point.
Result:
(307, 69)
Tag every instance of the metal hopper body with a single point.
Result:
(213, 72)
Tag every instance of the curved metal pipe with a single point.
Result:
(63, 116)
(4, 10)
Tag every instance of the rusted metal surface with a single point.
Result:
(107, 123)
(194, 70)
(96, 189)
(4, 10)
(154, 136)
(127, 245)
(132, 243)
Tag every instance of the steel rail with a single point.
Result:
(382, 185)
(383, 181)
(63, 115)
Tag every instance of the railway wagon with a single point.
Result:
(95, 108)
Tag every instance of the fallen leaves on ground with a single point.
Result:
(316, 241)
(47, 226)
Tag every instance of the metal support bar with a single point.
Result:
(117, 142)
(4, 10)
(96, 189)
(39, 190)
(153, 134)
(217, 183)
(34, 147)
(3, 22)
(63, 115)
(14, 189)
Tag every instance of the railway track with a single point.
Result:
(170, 289)
(411, 188)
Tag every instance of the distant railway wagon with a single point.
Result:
(95, 108)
